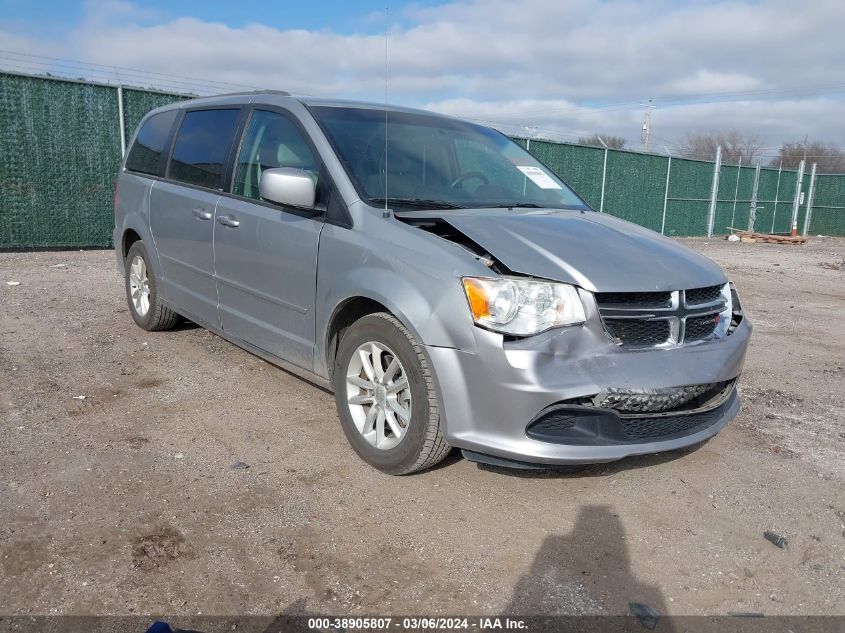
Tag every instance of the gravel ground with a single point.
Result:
(128, 501)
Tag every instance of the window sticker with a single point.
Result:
(538, 177)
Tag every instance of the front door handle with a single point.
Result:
(202, 214)
(228, 220)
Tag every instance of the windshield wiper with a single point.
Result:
(514, 205)
(419, 202)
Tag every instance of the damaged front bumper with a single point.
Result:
(571, 396)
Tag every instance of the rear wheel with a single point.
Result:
(142, 293)
(385, 397)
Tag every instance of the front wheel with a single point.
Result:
(386, 398)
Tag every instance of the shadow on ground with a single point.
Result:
(585, 572)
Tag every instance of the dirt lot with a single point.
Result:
(128, 501)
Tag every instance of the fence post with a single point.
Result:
(121, 120)
(666, 196)
(810, 193)
(714, 192)
(603, 175)
(752, 213)
(777, 192)
(736, 190)
(796, 202)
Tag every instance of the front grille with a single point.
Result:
(578, 423)
(697, 296)
(647, 428)
(554, 423)
(646, 319)
(698, 328)
(638, 331)
(634, 299)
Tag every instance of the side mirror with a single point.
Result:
(288, 186)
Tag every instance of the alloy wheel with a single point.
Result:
(139, 286)
(378, 395)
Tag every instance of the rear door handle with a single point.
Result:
(228, 220)
(202, 214)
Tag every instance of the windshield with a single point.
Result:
(435, 162)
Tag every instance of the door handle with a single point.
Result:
(228, 220)
(202, 214)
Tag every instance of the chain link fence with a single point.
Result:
(60, 144)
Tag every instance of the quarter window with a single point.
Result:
(202, 146)
(272, 140)
(145, 153)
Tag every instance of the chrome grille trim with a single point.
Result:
(677, 312)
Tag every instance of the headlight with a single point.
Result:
(522, 307)
(725, 315)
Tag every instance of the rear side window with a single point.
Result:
(145, 153)
(202, 146)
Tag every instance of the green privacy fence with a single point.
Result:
(58, 153)
(59, 150)
(60, 144)
(675, 195)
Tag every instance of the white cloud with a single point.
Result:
(706, 81)
(573, 67)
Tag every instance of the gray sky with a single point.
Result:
(769, 67)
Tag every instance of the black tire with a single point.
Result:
(159, 316)
(423, 445)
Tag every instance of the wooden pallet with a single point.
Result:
(749, 237)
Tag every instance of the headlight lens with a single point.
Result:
(725, 315)
(522, 307)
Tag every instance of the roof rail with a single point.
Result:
(282, 93)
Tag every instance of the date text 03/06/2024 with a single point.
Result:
(416, 623)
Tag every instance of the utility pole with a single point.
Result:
(646, 135)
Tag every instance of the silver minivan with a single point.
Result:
(448, 287)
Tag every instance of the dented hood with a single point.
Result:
(593, 250)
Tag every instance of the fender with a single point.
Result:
(405, 298)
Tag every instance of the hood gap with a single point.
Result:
(445, 230)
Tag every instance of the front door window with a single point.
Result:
(272, 140)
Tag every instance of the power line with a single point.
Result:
(111, 70)
(32, 62)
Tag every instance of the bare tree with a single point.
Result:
(734, 144)
(829, 157)
(612, 142)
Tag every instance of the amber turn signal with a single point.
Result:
(477, 297)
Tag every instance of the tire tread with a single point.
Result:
(160, 316)
(164, 318)
(428, 446)
(434, 448)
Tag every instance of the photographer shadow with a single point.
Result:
(587, 574)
